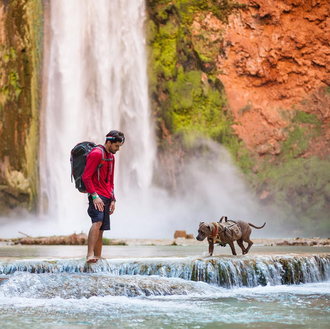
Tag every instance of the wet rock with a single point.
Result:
(3, 279)
(180, 234)
(73, 239)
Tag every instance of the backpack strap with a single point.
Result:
(101, 147)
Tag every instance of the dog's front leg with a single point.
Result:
(231, 243)
(211, 246)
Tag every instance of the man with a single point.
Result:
(99, 182)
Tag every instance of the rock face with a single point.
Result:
(275, 59)
(271, 59)
(21, 33)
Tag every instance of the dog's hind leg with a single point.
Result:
(240, 243)
(250, 243)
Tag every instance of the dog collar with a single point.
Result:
(216, 230)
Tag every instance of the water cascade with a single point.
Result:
(149, 276)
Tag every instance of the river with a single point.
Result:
(164, 287)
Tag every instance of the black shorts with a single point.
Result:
(100, 216)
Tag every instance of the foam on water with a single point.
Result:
(277, 306)
(79, 286)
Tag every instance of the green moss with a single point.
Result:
(298, 187)
(298, 184)
(223, 8)
(183, 89)
(303, 117)
(304, 128)
(151, 30)
(187, 98)
(244, 158)
(109, 242)
(297, 143)
(15, 84)
(187, 102)
(164, 53)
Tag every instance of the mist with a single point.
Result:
(210, 186)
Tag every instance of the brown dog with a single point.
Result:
(227, 232)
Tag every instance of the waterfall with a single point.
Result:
(97, 81)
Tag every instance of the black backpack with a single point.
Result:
(78, 162)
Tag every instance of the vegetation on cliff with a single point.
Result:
(21, 24)
(294, 181)
(189, 101)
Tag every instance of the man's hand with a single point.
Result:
(112, 207)
(98, 204)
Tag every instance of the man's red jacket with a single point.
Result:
(95, 179)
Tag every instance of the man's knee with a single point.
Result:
(97, 225)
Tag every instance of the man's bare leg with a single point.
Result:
(98, 245)
(93, 237)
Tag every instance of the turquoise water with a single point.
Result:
(46, 252)
(67, 298)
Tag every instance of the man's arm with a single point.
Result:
(112, 184)
(93, 160)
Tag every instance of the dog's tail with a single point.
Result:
(258, 227)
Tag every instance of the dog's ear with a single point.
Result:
(200, 223)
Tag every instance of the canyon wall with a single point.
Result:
(21, 38)
(275, 62)
(275, 67)
(267, 65)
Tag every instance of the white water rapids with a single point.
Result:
(260, 291)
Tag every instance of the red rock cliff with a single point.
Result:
(275, 57)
